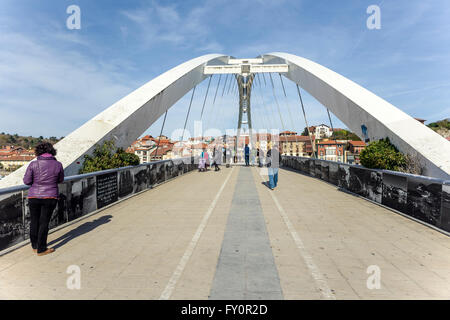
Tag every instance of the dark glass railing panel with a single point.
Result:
(424, 198)
(82, 194)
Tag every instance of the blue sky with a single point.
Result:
(53, 79)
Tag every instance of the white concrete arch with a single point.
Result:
(356, 106)
(128, 118)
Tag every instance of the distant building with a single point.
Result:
(353, 150)
(144, 153)
(331, 150)
(294, 145)
(12, 157)
(163, 152)
(145, 148)
(321, 131)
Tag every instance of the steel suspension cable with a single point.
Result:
(264, 78)
(206, 96)
(306, 121)
(214, 117)
(187, 116)
(332, 132)
(268, 109)
(214, 102)
(226, 79)
(160, 134)
(276, 102)
(228, 91)
(217, 89)
(204, 103)
(263, 116)
(289, 109)
(221, 99)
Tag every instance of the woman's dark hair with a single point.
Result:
(44, 147)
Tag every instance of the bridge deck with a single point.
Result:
(225, 235)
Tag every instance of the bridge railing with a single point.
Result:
(423, 198)
(82, 194)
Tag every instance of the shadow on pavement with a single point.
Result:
(80, 230)
(266, 183)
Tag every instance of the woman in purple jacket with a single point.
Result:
(43, 175)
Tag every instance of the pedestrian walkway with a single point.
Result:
(225, 235)
(246, 267)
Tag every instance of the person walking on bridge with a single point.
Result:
(273, 161)
(217, 157)
(228, 156)
(43, 175)
(203, 161)
(247, 155)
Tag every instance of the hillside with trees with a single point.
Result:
(23, 141)
(441, 127)
(345, 135)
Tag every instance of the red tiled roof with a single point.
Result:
(295, 139)
(17, 158)
(357, 143)
(161, 151)
(329, 142)
(200, 146)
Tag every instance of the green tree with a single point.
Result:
(382, 154)
(11, 139)
(106, 156)
(443, 124)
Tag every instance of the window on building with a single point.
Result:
(331, 151)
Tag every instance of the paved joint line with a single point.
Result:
(165, 295)
(318, 277)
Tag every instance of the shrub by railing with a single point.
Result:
(82, 194)
(423, 198)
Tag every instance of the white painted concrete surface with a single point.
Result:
(356, 106)
(128, 118)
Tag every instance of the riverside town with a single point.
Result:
(218, 159)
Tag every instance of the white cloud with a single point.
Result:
(158, 24)
(47, 91)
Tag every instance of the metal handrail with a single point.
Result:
(402, 174)
(90, 174)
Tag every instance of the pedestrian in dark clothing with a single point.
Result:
(247, 155)
(217, 157)
(43, 175)
(273, 161)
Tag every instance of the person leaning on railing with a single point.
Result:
(43, 175)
